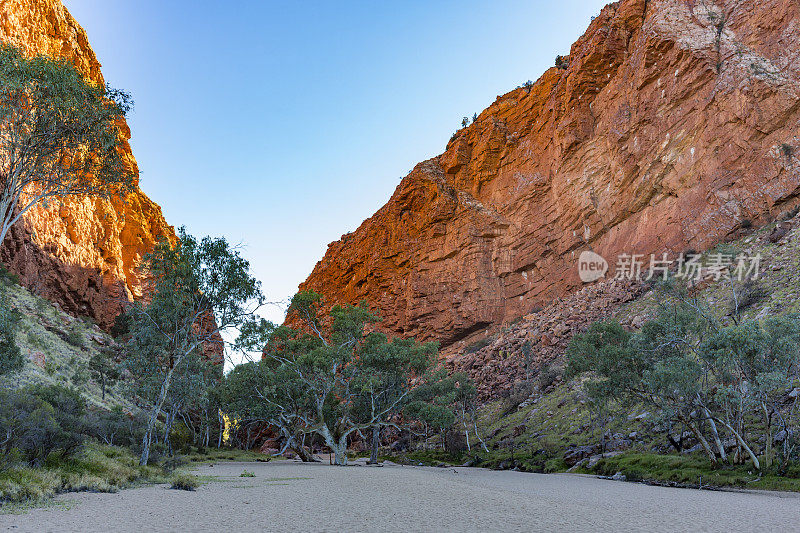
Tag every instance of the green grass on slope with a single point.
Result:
(97, 468)
(57, 347)
(693, 471)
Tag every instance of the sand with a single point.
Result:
(290, 496)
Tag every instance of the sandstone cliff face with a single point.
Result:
(81, 253)
(665, 131)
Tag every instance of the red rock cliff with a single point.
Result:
(81, 253)
(672, 122)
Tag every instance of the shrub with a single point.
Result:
(75, 338)
(247, 474)
(548, 375)
(746, 223)
(787, 150)
(116, 427)
(477, 345)
(11, 358)
(455, 441)
(7, 276)
(41, 419)
(80, 376)
(747, 295)
(790, 214)
(519, 393)
(122, 325)
(185, 482)
(171, 464)
(97, 468)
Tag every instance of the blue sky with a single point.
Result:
(283, 125)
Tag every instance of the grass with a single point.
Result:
(57, 348)
(428, 458)
(692, 471)
(185, 482)
(214, 455)
(97, 468)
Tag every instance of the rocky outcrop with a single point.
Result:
(670, 124)
(535, 344)
(81, 253)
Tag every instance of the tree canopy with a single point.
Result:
(696, 370)
(200, 290)
(331, 374)
(60, 135)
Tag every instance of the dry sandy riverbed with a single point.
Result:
(289, 496)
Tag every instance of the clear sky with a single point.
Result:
(283, 125)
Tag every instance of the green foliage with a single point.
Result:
(691, 471)
(39, 420)
(11, 358)
(75, 338)
(479, 344)
(745, 296)
(50, 119)
(549, 374)
(121, 326)
(104, 369)
(80, 376)
(696, 371)
(201, 290)
(434, 457)
(8, 277)
(185, 482)
(331, 376)
(96, 468)
(247, 474)
(116, 427)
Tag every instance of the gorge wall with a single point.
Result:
(81, 253)
(669, 124)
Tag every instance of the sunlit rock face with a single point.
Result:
(661, 134)
(81, 253)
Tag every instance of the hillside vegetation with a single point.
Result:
(551, 423)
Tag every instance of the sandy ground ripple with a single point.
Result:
(289, 496)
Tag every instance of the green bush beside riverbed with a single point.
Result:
(96, 468)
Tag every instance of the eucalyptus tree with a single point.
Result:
(201, 292)
(60, 135)
(331, 375)
(262, 392)
(714, 378)
(104, 369)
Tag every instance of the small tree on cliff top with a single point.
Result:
(333, 377)
(59, 135)
(200, 290)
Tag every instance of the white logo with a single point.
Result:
(591, 266)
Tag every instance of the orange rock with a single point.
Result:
(81, 253)
(648, 142)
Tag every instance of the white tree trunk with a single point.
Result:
(151, 422)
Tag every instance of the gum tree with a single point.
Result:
(714, 378)
(60, 135)
(201, 290)
(332, 376)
